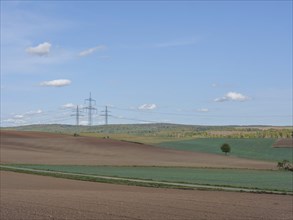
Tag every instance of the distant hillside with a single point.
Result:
(166, 130)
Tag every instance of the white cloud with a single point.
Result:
(232, 96)
(39, 111)
(19, 29)
(18, 116)
(40, 50)
(14, 121)
(56, 83)
(68, 105)
(18, 119)
(147, 107)
(83, 123)
(202, 110)
(92, 50)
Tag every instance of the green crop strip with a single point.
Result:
(249, 179)
(257, 148)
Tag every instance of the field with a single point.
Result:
(158, 132)
(27, 196)
(255, 179)
(284, 142)
(258, 149)
(33, 197)
(47, 148)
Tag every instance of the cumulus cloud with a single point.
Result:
(68, 105)
(56, 83)
(202, 110)
(40, 50)
(232, 96)
(147, 107)
(92, 50)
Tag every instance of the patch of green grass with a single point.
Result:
(256, 179)
(258, 148)
(82, 177)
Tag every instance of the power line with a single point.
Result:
(90, 108)
(106, 114)
(134, 119)
(77, 115)
(53, 116)
(198, 114)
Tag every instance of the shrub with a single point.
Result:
(285, 165)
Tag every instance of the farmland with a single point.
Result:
(159, 131)
(255, 179)
(259, 149)
(50, 148)
(182, 161)
(25, 196)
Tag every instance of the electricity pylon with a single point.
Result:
(77, 115)
(90, 109)
(106, 114)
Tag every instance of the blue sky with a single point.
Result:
(208, 63)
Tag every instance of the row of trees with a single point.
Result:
(283, 133)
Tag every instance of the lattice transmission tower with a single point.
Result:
(106, 115)
(77, 114)
(90, 109)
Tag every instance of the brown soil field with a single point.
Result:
(48, 148)
(25, 196)
(284, 142)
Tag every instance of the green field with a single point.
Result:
(257, 179)
(258, 148)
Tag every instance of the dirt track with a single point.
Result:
(48, 148)
(25, 196)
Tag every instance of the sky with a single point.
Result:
(185, 62)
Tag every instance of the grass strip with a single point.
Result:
(247, 179)
(113, 180)
(138, 182)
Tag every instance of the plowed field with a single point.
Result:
(284, 142)
(48, 148)
(33, 197)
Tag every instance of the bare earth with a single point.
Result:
(284, 142)
(25, 196)
(48, 148)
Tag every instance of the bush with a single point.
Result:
(285, 165)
